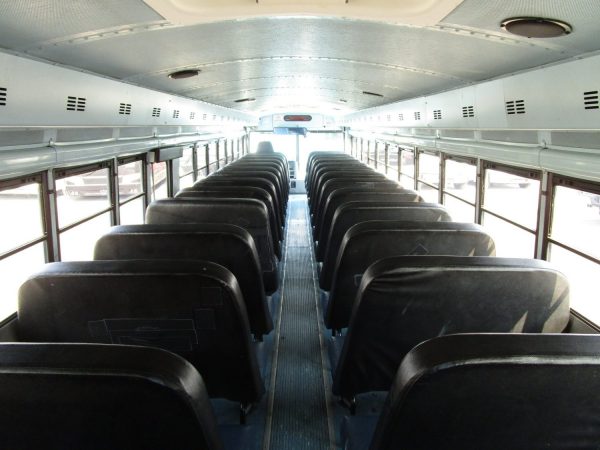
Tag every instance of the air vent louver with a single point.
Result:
(468, 111)
(515, 107)
(417, 115)
(203, 116)
(389, 118)
(437, 114)
(175, 114)
(590, 100)
(155, 112)
(2, 96)
(192, 115)
(400, 117)
(76, 104)
(125, 109)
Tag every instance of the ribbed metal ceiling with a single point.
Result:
(293, 63)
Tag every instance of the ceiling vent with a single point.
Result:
(437, 114)
(155, 112)
(536, 27)
(515, 107)
(468, 111)
(175, 114)
(417, 115)
(590, 99)
(192, 115)
(125, 109)
(2, 96)
(203, 116)
(400, 117)
(76, 104)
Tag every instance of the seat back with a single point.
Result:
(351, 213)
(192, 308)
(488, 392)
(368, 242)
(227, 245)
(405, 300)
(87, 396)
(252, 215)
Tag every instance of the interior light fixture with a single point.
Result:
(242, 100)
(536, 27)
(182, 74)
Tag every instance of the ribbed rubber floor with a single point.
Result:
(299, 409)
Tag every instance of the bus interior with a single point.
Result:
(311, 224)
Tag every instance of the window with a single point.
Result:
(159, 180)
(510, 210)
(186, 168)
(574, 246)
(459, 190)
(407, 168)
(21, 239)
(429, 177)
(131, 192)
(83, 210)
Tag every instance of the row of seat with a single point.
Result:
(199, 280)
(395, 272)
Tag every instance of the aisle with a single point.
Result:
(299, 415)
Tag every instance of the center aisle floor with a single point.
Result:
(298, 414)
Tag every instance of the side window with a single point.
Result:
(510, 210)
(459, 189)
(574, 245)
(21, 238)
(429, 177)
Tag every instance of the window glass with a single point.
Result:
(429, 169)
(583, 278)
(513, 197)
(14, 270)
(407, 168)
(576, 220)
(132, 213)
(201, 151)
(159, 180)
(21, 216)
(510, 241)
(186, 168)
(212, 152)
(429, 194)
(392, 172)
(77, 244)
(460, 180)
(130, 180)
(459, 210)
(84, 195)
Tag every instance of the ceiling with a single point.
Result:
(301, 63)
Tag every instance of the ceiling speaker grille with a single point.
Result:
(175, 114)
(515, 107)
(590, 100)
(437, 114)
(2, 96)
(76, 104)
(125, 109)
(155, 112)
(468, 111)
(417, 115)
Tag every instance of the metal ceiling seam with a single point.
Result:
(300, 58)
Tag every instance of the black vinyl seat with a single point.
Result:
(245, 192)
(323, 190)
(345, 195)
(241, 174)
(405, 300)
(227, 245)
(337, 168)
(98, 397)
(351, 213)
(368, 242)
(192, 308)
(241, 182)
(489, 392)
(250, 214)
